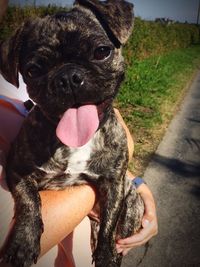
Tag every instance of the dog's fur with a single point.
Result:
(46, 51)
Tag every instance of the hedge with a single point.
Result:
(153, 38)
(16, 15)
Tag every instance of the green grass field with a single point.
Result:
(151, 94)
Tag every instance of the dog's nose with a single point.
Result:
(72, 79)
(76, 79)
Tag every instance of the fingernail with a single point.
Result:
(119, 250)
(125, 253)
(145, 223)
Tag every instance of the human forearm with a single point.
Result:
(130, 142)
(62, 211)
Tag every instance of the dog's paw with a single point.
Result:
(23, 247)
(20, 255)
(106, 257)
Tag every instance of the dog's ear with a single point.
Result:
(9, 58)
(116, 16)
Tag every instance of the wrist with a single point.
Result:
(138, 181)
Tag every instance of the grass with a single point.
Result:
(150, 96)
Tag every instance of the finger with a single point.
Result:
(140, 242)
(144, 234)
(134, 245)
(149, 219)
(119, 249)
(149, 216)
(151, 225)
(149, 205)
(125, 251)
(93, 214)
(146, 221)
(135, 238)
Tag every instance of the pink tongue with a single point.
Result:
(78, 125)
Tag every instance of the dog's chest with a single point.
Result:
(102, 156)
(78, 159)
(67, 166)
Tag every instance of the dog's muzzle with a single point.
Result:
(69, 79)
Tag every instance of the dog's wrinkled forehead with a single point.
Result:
(78, 19)
(64, 31)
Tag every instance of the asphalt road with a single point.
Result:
(174, 178)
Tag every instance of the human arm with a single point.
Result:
(130, 142)
(61, 212)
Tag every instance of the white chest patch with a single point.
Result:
(77, 161)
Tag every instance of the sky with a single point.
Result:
(181, 10)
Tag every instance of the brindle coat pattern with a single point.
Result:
(51, 49)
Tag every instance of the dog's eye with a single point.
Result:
(33, 71)
(102, 52)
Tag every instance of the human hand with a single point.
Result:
(149, 224)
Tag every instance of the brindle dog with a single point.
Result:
(72, 65)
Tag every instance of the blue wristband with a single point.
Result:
(137, 181)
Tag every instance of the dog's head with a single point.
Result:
(71, 59)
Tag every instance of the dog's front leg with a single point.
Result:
(133, 210)
(111, 196)
(22, 246)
